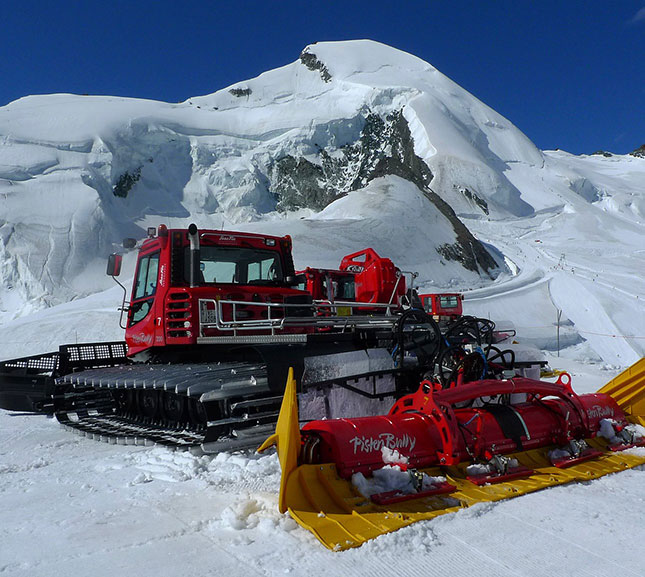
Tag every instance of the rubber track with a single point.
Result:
(85, 404)
(116, 431)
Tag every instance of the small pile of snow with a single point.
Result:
(224, 470)
(559, 454)
(574, 449)
(393, 478)
(243, 514)
(477, 469)
(610, 430)
(251, 512)
(638, 430)
(393, 457)
(160, 464)
(607, 430)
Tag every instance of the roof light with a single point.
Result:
(269, 241)
(152, 231)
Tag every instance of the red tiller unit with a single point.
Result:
(377, 279)
(363, 277)
(429, 429)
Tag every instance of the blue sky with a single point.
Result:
(569, 73)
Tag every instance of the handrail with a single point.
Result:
(213, 318)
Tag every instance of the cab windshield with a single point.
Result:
(449, 301)
(238, 265)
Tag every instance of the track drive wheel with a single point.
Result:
(149, 402)
(197, 413)
(173, 407)
(126, 400)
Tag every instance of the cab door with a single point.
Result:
(142, 314)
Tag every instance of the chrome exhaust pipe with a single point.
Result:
(193, 269)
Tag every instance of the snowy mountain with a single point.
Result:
(354, 144)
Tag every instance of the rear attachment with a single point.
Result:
(441, 450)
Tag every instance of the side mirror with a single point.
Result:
(129, 243)
(114, 265)
(291, 280)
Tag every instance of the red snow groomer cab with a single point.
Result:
(444, 307)
(363, 277)
(196, 287)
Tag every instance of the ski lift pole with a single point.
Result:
(558, 329)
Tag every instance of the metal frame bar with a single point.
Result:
(211, 318)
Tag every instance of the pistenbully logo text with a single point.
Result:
(389, 440)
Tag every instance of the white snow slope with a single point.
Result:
(570, 230)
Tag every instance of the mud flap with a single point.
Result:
(331, 508)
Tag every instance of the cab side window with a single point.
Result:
(146, 284)
(144, 287)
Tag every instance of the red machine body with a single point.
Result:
(377, 279)
(443, 306)
(226, 266)
(429, 429)
(328, 285)
(363, 277)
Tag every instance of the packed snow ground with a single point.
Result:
(72, 506)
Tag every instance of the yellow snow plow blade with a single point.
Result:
(340, 517)
(286, 437)
(328, 506)
(628, 390)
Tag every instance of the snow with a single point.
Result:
(393, 478)
(209, 160)
(571, 229)
(631, 432)
(75, 506)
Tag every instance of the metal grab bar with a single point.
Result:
(212, 317)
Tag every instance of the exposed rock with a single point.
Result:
(310, 60)
(639, 152)
(602, 153)
(467, 249)
(240, 92)
(385, 147)
(125, 182)
(301, 184)
(475, 198)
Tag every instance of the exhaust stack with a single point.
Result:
(193, 237)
